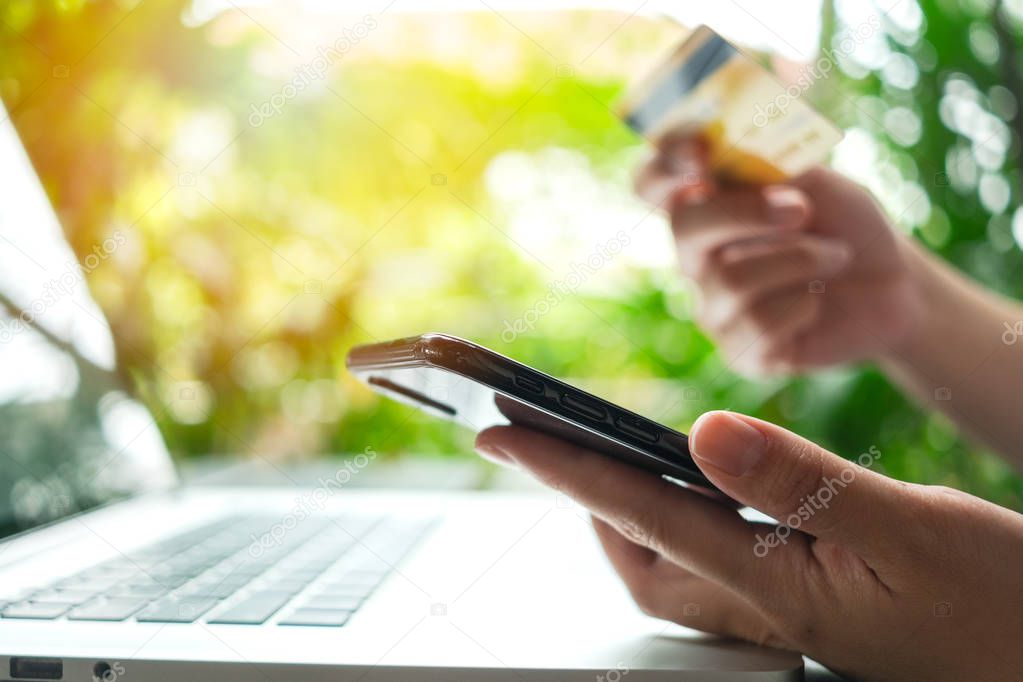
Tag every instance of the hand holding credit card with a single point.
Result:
(755, 129)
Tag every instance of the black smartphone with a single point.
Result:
(474, 386)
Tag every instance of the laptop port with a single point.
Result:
(586, 408)
(103, 672)
(529, 383)
(36, 668)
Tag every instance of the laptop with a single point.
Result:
(111, 568)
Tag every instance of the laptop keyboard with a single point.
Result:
(237, 571)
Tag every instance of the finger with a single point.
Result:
(634, 563)
(800, 484)
(748, 271)
(664, 590)
(736, 215)
(497, 458)
(626, 556)
(834, 340)
(689, 529)
(678, 173)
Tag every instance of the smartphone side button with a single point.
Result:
(636, 428)
(529, 383)
(584, 407)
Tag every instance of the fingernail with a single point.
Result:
(693, 194)
(727, 443)
(786, 206)
(687, 160)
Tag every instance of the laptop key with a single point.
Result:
(292, 586)
(318, 617)
(212, 562)
(150, 591)
(332, 602)
(35, 610)
(70, 597)
(254, 610)
(172, 610)
(80, 583)
(304, 573)
(214, 591)
(342, 589)
(115, 608)
(366, 577)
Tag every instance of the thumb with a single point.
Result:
(798, 483)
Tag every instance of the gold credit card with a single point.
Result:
(756, 129)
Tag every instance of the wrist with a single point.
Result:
(923, 291)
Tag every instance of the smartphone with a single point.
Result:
(458, 380)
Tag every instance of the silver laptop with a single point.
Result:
(110, 568)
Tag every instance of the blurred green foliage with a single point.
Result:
(404, 188)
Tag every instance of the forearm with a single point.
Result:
(961, 356)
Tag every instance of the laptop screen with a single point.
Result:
(71, 437)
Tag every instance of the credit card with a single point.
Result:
(757, 130)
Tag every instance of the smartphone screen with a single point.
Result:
(478, 388)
